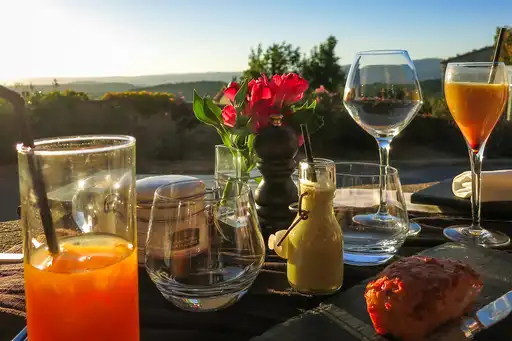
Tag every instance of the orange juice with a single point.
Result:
(89, 292)
(476, 107)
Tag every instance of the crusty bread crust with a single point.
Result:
(415, 295)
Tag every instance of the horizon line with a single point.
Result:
(21, 79)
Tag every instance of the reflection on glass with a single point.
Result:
(476, 94)
(204, 246)
(92, 284)
(383, 94)
(358, 192)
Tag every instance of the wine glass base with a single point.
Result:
(486, 238)
(366, 259)
(378, 220)
(383, 220)
(205, 304)
(414, 229)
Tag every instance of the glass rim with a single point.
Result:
(245, 190)
(394, 171)
(475, 64)
(223, 146)
(318, 161)
(385, 51)
(126, 142)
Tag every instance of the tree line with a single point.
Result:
(320, 67)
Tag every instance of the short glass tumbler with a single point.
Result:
(358, 192)
(204, 246)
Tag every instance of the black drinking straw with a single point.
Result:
(497, 51)
(309, 152)
(18, 104)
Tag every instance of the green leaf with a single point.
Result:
(241, 95)
(305, 114)
(200, 112)
(212, 112)
(207, 112)
(252, 159)
(312, 105)
(214, 109)
(240, 132)
(313, 121)
(305, 106)
(226, 138)
(242, 121)
(250, 142)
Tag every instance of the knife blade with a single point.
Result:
(484, 318)
(22, 335)
(11, 258)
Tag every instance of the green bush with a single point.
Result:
(168, 130)
(144, 102)
(5, 107)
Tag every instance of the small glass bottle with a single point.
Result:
(313, 245)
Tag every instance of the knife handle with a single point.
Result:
(462, 331)
(470, 327)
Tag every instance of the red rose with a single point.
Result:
(288, 89)
(260, 98)
(229, 115)
(259, 90)
(301, 140)
(231, 91)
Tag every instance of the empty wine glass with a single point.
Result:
(204, 247)
(382, 95)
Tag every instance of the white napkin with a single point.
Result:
(496, 185)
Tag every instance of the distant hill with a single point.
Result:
(203, 88)
(428, 68)
(208, 83)
(141, 81)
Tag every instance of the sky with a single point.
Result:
(94, 38)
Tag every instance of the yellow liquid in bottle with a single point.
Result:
(315, 245)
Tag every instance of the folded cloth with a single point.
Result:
(12, 298)
(496, 185)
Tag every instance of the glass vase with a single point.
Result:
(236, 164)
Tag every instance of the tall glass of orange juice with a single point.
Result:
(89, 289)
(476, 94)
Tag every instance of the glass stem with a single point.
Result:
(476, 188)
(384, 146)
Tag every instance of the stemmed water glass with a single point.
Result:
(383, 94)
(476, 95)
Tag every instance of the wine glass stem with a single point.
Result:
(384, 146)
(476, 188)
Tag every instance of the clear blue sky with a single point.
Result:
(71, 38)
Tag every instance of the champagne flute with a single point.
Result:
(382, 95)
(476, 95)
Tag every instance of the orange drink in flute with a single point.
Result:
(476, 95)
(476, 108)
(89, 290)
